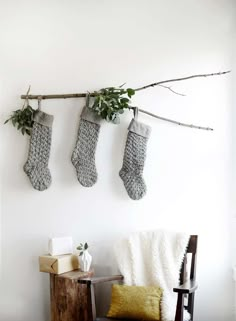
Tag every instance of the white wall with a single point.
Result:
(74, 46)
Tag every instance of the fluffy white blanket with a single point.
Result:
(154, 258)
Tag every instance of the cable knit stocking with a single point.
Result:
(134, 157)
(36, 166)
(83, 156)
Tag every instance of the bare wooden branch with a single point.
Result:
(173, 121)
(61, 96)
(81, 95)
(159, 83)
(27, 94)
(173, 91)
(183, 78)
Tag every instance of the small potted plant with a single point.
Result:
(85, 259)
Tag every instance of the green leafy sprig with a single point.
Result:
(82, 247)
(22, 119)
(110, 103)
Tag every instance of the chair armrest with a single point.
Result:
(188, 287)
(100, 279)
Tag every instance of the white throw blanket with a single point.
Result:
(154, 258)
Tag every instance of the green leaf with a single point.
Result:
(124, 100)
(111, 102)
(23, 119)
(81, 253)
(6, 121)
(130, 92)
(86, 246)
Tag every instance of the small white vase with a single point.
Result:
(85, 261)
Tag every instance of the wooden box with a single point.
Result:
(69, 299)
(58, 264)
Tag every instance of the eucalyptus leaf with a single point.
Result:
(111, 101)
(82, 247)
(22, 119)
(130, 92)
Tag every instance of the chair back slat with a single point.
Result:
(191, 255)
(193, 267)
(191, 249)
(192, 245)
(183, 270)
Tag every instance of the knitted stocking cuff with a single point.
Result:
(139, 128)
(89, 115)
(43, 118)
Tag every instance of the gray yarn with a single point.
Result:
(36, 166)
(83, 156)
(134, 158)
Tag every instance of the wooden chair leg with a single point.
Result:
(91, 303)
(179, 316)
(191, 304)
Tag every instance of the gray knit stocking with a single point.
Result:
(83, 156)
(36, 166)
(134, 158)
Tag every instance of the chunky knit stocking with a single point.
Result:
(36, 166)
(134, 158)
(83, 156)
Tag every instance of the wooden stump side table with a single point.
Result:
(69, 299)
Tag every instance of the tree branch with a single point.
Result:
(173, 121)
(81, 95)
(27, 94)
(159, 83)
(183, 78)
(173, 91)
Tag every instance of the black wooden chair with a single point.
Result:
(186, 289)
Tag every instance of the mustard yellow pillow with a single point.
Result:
(135, 302)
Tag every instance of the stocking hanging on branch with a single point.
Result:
(83, 156)
(109, 103)
(131, 172)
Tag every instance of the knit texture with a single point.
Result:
(154, 258)
(134, 158)
(83, 156)
(36, 166)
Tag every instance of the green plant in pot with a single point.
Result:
(85, 258)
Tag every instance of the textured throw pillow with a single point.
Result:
(135, 302)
